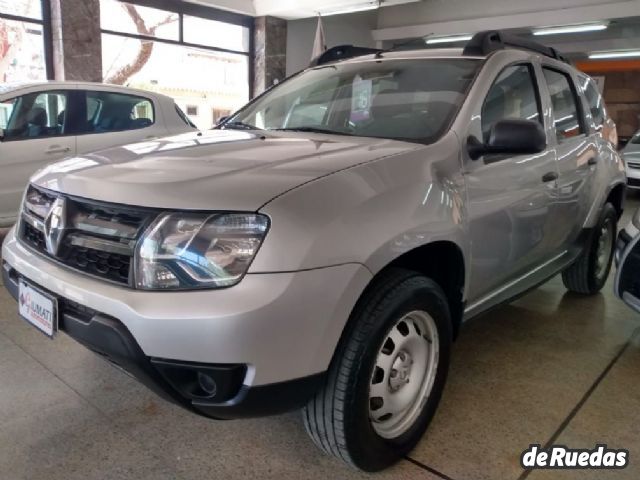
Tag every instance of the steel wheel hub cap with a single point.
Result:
(403, 374)
(605, 243)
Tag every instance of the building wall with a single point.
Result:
(622, 96)
(354, 29)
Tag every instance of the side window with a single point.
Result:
(34, 115)
(567, 121)
(513, 95)
(595, 101)
(6, 109)
(117, 112)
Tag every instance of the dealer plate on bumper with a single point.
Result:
(38, 308)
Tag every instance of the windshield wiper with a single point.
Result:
(312, 130)
(239, 126)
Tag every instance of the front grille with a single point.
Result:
(633, 182)
(112, 266)
(634, 165)
(98, 239)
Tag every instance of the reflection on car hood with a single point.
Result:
(214, 170)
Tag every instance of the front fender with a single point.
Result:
(369, 214)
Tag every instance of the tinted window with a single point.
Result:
(401, 99)
(116, 112)
(35, 115)
(513, 95)
(595, 101)
(565, 106)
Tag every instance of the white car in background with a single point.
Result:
(631, 157)
(41, 123)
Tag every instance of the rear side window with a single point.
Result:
(566, 115)
(595, 101)
(117, 112)
(512, 96)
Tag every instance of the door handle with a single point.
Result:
(592, 161)
(55, 150)
(550, 177)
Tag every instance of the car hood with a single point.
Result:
(213, 170)
(631, 154)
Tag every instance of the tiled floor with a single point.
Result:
(547, 368)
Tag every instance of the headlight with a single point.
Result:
(186, 251)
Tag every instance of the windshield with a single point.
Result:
(412, 100)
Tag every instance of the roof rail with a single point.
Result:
(341, 52)
(484, 43)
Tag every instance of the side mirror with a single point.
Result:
(510, 137)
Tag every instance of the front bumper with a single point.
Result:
(624, 238)
(633, 173)
(265, 342)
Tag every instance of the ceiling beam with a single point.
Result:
(561, 16)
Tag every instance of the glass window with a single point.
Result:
(116, 112)
(197, 77)
(6, 108)
(22, 8)
(127, 18)
(21, 52)
(513, 95)
(565, 108)
(216, 34)
(37, 115)
(595, 101)
(400, 99)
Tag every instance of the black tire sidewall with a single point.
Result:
(368, 450)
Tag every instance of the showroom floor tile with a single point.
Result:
(518, 376)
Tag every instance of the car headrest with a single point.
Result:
(37, 116)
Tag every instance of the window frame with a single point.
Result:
(577, 98)
(68, 93)
(82, 94)
(589, 82)
(536, 87)
(47, 39)
(196, 10)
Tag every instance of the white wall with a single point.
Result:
(354, 29)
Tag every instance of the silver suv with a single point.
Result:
(322, 247)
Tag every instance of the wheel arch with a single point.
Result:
(616, 197)
(443, 262)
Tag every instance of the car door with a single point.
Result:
(627, 280)
(37, 131)
(577, 154)
(117, 118)
(510, 198)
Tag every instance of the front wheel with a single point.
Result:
(387, 376)
(588, 274)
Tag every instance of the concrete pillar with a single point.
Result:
(77, 42)
(270, 53)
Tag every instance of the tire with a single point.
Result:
(588, 274)
(338, 417)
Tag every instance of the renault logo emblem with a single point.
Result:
(54, 225)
